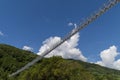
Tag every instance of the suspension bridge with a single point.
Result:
(89, 20)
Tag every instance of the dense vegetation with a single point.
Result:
(55, 68)
(11, 59)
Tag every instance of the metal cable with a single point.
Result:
(105, 8)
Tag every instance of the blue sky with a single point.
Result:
(30, 22)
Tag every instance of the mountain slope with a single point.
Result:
(55, 68)
(12, 58)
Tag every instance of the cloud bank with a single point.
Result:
(108, 58)
(67, 50)
(27, 48)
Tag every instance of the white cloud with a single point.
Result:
(1, 33)
(116, 64)
(67, 50)
(108, 57)
(70, 24)
(75, 25)
(27, 48)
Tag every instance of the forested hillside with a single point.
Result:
(11, 59)
(55, 68)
